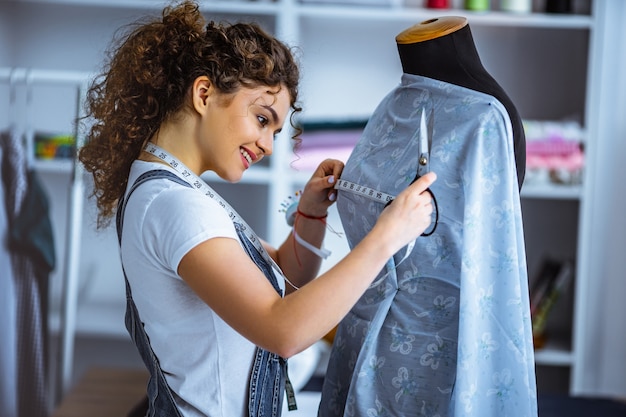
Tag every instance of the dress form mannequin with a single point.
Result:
(443, 331)
(444, 49)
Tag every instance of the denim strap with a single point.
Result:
(269, 371)
(161, 401)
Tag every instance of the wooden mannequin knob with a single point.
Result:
(431, 29)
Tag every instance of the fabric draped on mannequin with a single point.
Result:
(453, 58)
(447, 332)
(29, 244)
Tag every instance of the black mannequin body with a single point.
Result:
(444, 49)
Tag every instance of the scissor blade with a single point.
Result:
(425, 142)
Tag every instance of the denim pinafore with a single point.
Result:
(268, 377)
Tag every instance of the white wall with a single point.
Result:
(603, 339)
(6, 38)
(67, 37)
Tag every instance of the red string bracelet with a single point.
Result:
(306, 216)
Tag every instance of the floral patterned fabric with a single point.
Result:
(447, 332)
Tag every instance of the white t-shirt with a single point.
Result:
(206, 362)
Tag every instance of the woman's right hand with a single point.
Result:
(408, 216)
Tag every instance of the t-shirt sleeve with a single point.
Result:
(179, 219)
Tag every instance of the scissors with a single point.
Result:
(423, 163)
(425, 142)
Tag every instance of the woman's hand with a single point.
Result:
(408, 216)
(319, 192)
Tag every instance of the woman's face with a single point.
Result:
(239, 129)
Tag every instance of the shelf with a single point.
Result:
(45, 76)
(53, 166)
(491, 18)
(551, 191)
(352, 11)
(555, 353)
(220, 6)
(95, 319)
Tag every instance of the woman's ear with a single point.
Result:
(201, 92)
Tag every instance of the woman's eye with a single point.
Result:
(263, 120)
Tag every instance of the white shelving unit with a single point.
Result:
(349, 62)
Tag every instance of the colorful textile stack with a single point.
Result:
(554, 152)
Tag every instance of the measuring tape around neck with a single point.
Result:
(200, 185)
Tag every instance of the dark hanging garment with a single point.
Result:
(8, 326)
(31, 249)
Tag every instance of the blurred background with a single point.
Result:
(561, 62)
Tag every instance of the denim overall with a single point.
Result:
(269, 371)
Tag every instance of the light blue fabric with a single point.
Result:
(447, 332)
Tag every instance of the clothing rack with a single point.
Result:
(31, 77)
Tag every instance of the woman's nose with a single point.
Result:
(266, 144)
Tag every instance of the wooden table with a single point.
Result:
(104, 392)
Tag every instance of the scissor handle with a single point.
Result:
(434, 202)
(436, 213)
(436, 207)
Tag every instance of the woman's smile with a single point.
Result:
(248, 157)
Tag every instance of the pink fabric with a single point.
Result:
(554, 153)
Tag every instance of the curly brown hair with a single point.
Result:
(146, 81)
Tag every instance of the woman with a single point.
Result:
(206, 306)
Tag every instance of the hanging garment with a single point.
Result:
(31, 246)
(447, 331)
(8, 326)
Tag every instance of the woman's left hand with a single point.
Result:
(319, 192)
